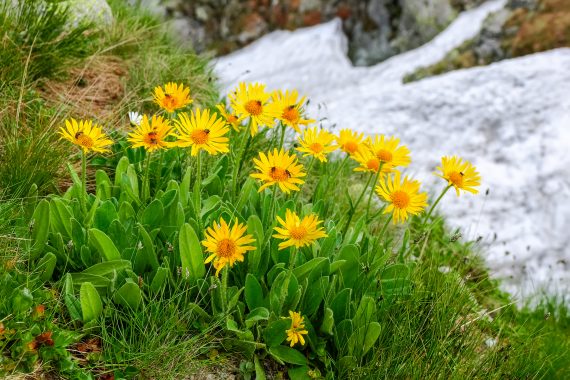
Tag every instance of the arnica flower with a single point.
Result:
(202, 130)
(297, 232)
(316, 143)
(403, 197)
(151, 134)
(388, 151)
(279, 168)
(297, 330)
(349, 141)
(226, 245)
(459, 174)
(251, 101)
(86, 135)
(369, 162)
(172, 97)
(232, 120)
(289, 109)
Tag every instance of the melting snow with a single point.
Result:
(511, 119)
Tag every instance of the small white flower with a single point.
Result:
(135, 118)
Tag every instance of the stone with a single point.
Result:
(97, 12)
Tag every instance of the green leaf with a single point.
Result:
(255, 228)
(40, 228)
(103, 185)
(101, 283)
(91, 305)
(362, 340)
(104, 215)
(395, 280)
(146, 255)
(191, 254)
(103, 244)
(275, 333)
(340, 305)
(285, 354)
(212, 203)
(71, 302)
(46, 266)
(60, 218)
(299, 373)
(185, 187)
(129, 295)
(253, 292)
(327, 325)
(153, 214)
(314, 295)
(303, 271)
(365, 313)
(159, 279)
(259, 314)
(259, 372)
(108, 267)
(350, 271)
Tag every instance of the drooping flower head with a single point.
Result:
(202, 130)
(151, 134)
(289, 109)
(369, 162)
(279, 168)
(233, 120)
(388, 151)
(86, 135)
(298, 232)
(349, 141)
(317, 143)
(459, 174)
(403, 197)
(226, 245)
(297, 330)
(172, 97)
(251, 101)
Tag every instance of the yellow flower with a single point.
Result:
(404, 197)
(251, 101)
(151, 135)
(230, 118)
(226, 245)
(459, 174)
(279, 167)
(173, 97)
(202, 130)
(290, 110)
(297, 232)
(86, 135)
(349, 141)
(297, 330)
(388, 151)
(316, 143)
(369, 162)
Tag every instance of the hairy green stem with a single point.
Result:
(84, 196)
(146, 179)
(355, 206)
(435, 204)
(372, 189)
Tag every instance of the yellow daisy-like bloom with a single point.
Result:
(459, 174)
(279, 168)
(202, 130)
(404, 197)
(251, 101)
(297, 232)
(226, 245)
(369, 162)
(172, 97)
(316, 143)
(86, 135)
(151, 134)
(297, 330)
(388, 151)
(233, 120)
(289, 109)
(349, 141)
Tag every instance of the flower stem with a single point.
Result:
(240, 154)
(383, 230)
(435, 204)
(224, 294)
(372, 189)
(198, 198)
(355, 206)
(84, 196)
(146, 179)
(337, 171)
(282, 139)
(271, 212)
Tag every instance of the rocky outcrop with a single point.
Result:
(522, 27)
(376, 29)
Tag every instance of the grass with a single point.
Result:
(447, 320)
